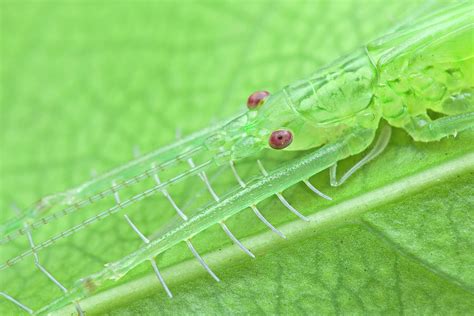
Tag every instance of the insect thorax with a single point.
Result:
(339, 96)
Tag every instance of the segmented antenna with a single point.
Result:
(204, 178)
(282, 198)
(116, 208)
(101, 195)
(17, 303)
(254, 207)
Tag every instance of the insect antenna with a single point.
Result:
(281, 197)
(254, 207)
(17, 303)
(201, 261)
(204, 178)
(101, 195)
(114, 209)
(152, 260)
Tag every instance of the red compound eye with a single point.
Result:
(280, 139)
(256, 98)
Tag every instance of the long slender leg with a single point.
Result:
(423, 129)
(204, 178)
(254, 207)
(312, 188)
(201, 260)
(38, 264)
(281, 197)
(235, 240)
(79, 310)
(224, 227)
(168, 196)
(351, 143)
(17, 303)
(152, 260)
(380, 145)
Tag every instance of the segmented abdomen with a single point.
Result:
(430, 69)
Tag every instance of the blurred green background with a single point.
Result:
(84, 84)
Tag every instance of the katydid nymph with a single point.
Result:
(399, 80)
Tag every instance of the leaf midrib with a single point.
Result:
(331, 217)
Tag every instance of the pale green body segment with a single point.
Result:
(424, 66)
(427, 65)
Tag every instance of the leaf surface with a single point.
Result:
(85, 84)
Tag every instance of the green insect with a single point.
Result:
(419, 77)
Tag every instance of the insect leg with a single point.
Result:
(235, 240)
(312, 188)
(114, 209)
(353, 142)
(254, 207)
(281, 197)
(41, 268)
(168, 197)
(201, 261)
(152, 260)
(422, 128)
(204, 178)
(48, 274)
(379, 147)
(136, 230)
(16, 302)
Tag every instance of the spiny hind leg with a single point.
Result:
(380, 145)
(422, 128)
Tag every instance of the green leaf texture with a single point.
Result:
(85, 84)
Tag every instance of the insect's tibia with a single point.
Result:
(17, 303)
(136, 230)
(168, 197)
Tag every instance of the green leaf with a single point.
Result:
(84, 83)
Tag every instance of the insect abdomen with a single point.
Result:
(433, 71)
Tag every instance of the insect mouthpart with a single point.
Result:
(280, 139)
(257, 98)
